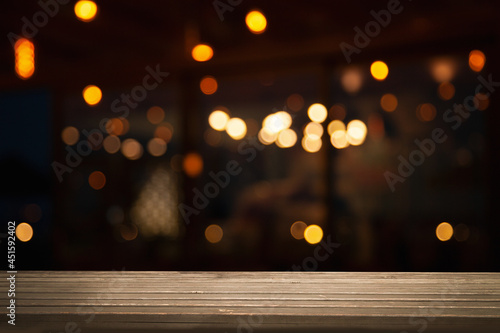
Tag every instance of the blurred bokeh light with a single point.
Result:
(477, 59)
(444, 231)
(155, 115)
(297, 229)
(97, 180)
(24, 232)
(208, 85)
(202, 52)
(317, 112)
(214, 233)
(379, 70)
(389, 102)
(92, 94)
(256, 22)
(218, 120)
(236, 128)
(313, 234)
(193, 164)
(85, 10)
(25, 58)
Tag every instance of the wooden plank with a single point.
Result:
(259, 298)
(258, 275)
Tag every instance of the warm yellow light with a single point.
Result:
(131, 149)
(92, 94)
(443, 69)
(267, 137)
(256, 22)
(236, 128)
(379, 70)
(214, 233)
(157, 147)
(356, 132)
(97, 180)
(313, 130)
(311, 144)
(335, 125)
(444, 231)
(426, 112)
(218, 120)
(25, 58)
(477, 59)
(85, 10)
(287, 138)
(155, 115)
(202, 52)
(339, 139)
(277, 122)
(297, 229)
(22, 45)
(351, 80)
(24, 232)
(208, 85)
(111, 144)
(285, 119)
(70, 135)
(389, 102)
(317, 112)
(192, 164)
(313, 234)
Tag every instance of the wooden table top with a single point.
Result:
(70, 301)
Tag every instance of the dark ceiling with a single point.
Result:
(128, 35)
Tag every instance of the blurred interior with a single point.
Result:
(126, 203)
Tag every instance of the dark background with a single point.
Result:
(343, 191)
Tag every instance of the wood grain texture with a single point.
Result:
(78, 302)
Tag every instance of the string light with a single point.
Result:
(85, 10)
(92, 94)
(25, 58)
(379, 70)
(256, 22)
(313, 234)
(202, 52)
